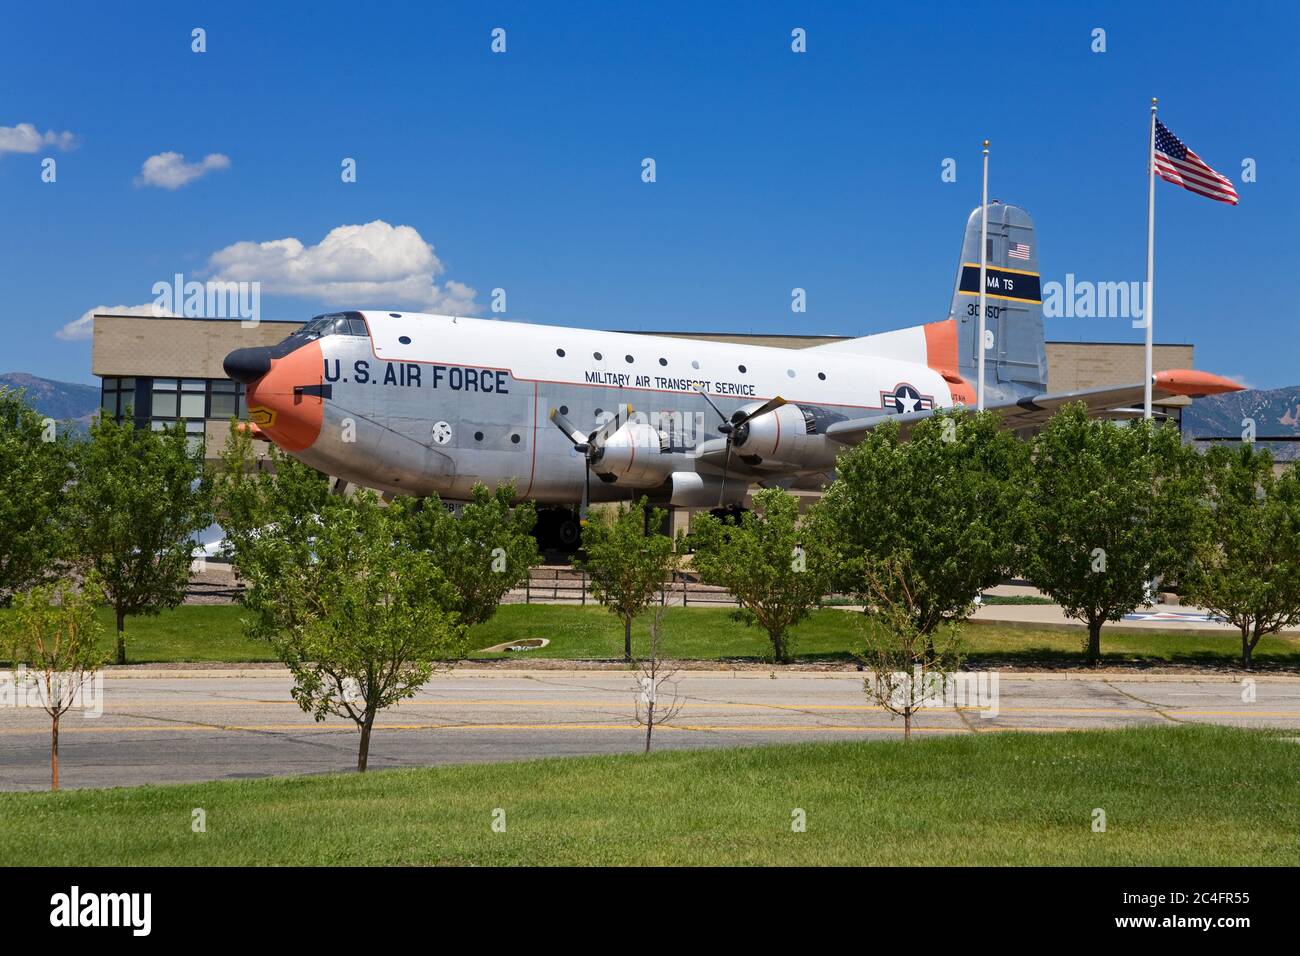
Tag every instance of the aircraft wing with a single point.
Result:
(1034, 410)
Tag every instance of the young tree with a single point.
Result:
(35, 467)
(362, 622)
(627, 565)
(1109, 508)
(774, 568)
(53, 630)
(137, 501)
(278, 500)
(657, 700)
(1247, 568)
(910, 667)
(948, 497)
(484, 552)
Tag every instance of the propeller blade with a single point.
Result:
(771, 405)
(726, 463)
(613, 424)
(586, 493)
(705, 395)
(570, 430)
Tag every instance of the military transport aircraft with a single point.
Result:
(415, 404)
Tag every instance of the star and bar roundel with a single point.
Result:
(905, 398)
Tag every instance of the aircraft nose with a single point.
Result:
(286, 399)
(248, 365)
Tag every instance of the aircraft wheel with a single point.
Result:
(570, 533)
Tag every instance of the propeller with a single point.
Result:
(590, 445)
(729, 426)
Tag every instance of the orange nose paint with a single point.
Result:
(287, 417)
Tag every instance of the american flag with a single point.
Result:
(1177, 164)
(1018, 250)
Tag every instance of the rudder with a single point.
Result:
(1016, 363)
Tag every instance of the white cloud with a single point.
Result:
(374, 265)
(26, 138)
(170, 171)
(81, 328)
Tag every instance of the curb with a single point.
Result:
(144, 672)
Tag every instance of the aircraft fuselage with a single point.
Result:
(423, 404)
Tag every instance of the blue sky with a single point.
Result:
(774, 170)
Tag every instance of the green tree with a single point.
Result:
(137, 500)
(35, 467)
(362, 622)
(53, 630)
(484, 552)
(1109, 507)
(910, 668)
(948, 497)
(626, 563)
(277, 498)
(775, 569)
(1247, 568)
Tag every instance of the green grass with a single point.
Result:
(192, 632)
(1207, 796)
(592, 633)
(213, 633)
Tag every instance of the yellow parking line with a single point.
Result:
(337, 727)
(129, 706)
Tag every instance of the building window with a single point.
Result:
(117, 396)
(194, 399)
(166, 398)
(224, 399)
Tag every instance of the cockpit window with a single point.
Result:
(334, 323)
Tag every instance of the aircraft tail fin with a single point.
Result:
(1016, 361)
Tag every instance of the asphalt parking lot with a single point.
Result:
(160, 727)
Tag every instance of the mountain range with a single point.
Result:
(1275, 412)
(63, 401)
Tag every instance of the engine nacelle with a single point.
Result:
(788, 435)
(690, 489)
(635, 455)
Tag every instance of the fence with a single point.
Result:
(564, 585)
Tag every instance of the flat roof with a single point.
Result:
(680, 334)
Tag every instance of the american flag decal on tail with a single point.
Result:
(1177, 164)
(1018, 250)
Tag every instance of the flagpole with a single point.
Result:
(984, 254)
(1151, 260)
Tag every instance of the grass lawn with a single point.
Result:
(213, 633)
(1208, 796)
(192, 632)
(592, 633)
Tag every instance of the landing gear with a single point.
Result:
(569, 532)
(731, 514)
(557, 529)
